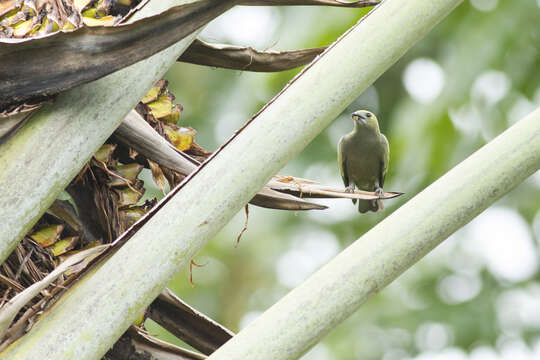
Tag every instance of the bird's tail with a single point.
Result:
(370, 205)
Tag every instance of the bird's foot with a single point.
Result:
(379, 192)
(349, 189)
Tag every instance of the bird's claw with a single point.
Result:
(379, 192)
(349, 189)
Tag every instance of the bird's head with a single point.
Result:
(365, 119)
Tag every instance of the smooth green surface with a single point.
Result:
(334, 292)
(122, 287)
(41, 159)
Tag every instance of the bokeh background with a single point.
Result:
(477, 296)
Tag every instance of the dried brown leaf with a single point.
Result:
(137, 341)
(157, 176)
(246, 58)
(310, 189)
(47, 235)
(188, 324)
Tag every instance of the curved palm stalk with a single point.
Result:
(60, 61)
(135, 132)
(118, 290)
(246, 58)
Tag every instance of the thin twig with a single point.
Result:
(245, 226)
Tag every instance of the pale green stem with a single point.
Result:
(41, 159)
(92, 315)
(329, 296)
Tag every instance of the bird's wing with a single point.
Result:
(342, 163)
(384, 160)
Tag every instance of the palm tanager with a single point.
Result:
(363, 156)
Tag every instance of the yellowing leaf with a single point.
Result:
(173, 117)
(154, 92)
(128, 196)
(128, 172)
(139, 321)
(29, 11)
(48, 235)
(181, 138)
(104, 153)
(90, 13)
(7, 6)
(22, 28)
(151, 95)
(64, 245)
(161, 107)
(68, 26)
(47, 26)
(108, 20)
(130, 216)
(13, 17)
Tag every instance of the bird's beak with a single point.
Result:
(361, 118)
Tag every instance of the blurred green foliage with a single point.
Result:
(475, 296)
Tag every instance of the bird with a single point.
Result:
(363, 156)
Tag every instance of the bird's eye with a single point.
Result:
(368, 115)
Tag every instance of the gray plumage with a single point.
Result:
(363, 157)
